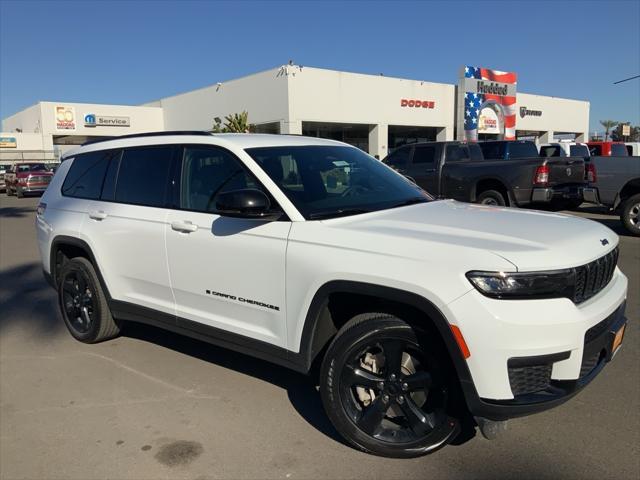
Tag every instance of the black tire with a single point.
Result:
(79, 289)
(630, 214)
(491, 197)
(408, 394)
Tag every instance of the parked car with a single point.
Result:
(26, 178)
(618, 183)
(633, 148)
(513, 175)
(306, 251)
(564, 149)
(3, 171)
(607, 149)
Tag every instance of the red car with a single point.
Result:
(27, 177)
(607, 149)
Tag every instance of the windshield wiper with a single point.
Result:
(410, 201)
(343, 212)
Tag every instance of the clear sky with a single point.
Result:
(133, 52)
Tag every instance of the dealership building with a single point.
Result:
(373, 112)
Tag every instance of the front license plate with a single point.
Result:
(617, 340)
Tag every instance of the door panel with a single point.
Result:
(423, 168)
(227, 273)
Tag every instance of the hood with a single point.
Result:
(528, 239)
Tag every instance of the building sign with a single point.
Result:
(8, 142)
(488, 121)
(626, 130)
(417, 103)
(487, 96)
(525, 112)
(65, 118)
(93, 120)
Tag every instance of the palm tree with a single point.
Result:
(608, 125)
(234, 123)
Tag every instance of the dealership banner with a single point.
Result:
(487, 103)
(65, 118)
(8, 142)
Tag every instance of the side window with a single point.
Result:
(143, 176)
(595, 150)
(86, 175)
(208, 172)
(475, 151)
(399, 158)
(618, 150)
(424, 154)
(456, 153)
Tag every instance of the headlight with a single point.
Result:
(553, 284)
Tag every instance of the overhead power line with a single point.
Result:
(626, 79)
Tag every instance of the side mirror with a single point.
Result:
(246, 203)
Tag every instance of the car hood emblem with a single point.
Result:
(604, 242)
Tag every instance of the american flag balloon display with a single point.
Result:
(474, 102)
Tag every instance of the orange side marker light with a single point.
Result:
(461, 343)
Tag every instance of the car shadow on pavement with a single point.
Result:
(301, 389)
(16, 212)
(27, 302)
(596, 214)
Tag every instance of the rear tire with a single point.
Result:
(83, 303)
(491, 197)
(385, 388)
(630, 214)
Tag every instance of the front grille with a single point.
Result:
(39, 179)
(594, 276)
(530, 379)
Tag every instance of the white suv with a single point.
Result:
(421, 315)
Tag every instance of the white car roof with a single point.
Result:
(238, 140)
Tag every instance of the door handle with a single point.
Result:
(97, 215)
(184, 227)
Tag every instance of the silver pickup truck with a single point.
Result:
(618, 183)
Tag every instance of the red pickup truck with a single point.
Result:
(24, 178)
(607, 149)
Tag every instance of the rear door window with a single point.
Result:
(143, 176)
(522, 150)
(492, 150)
(86, 174)
(475, 152)
(456, 153)
(424, 155)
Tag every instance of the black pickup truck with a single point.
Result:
(494, 173)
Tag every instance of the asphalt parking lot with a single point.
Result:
(151, 405)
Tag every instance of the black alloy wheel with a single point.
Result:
(83, 303)
(392, 393)
(78, 301)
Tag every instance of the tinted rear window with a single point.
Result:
(492, 150)
(143, 176)
(522, 150)
(578, 151)
(551, 151)
(86, 175)
(457, 152)
(618, 150)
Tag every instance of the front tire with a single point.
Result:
(630, 214)
(385, 388)
(83, 304)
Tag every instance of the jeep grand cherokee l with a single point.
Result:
(304, 251)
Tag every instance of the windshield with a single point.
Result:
(31, 167)
(332, 181)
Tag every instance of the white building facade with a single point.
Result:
(373, 112)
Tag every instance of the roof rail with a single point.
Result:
(149, 134)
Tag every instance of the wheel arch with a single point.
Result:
(64, 248)
(320, 328)
(629, 189)
(491, 183)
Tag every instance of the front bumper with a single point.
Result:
(567, 192)
(503, 334)
(33, 188)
